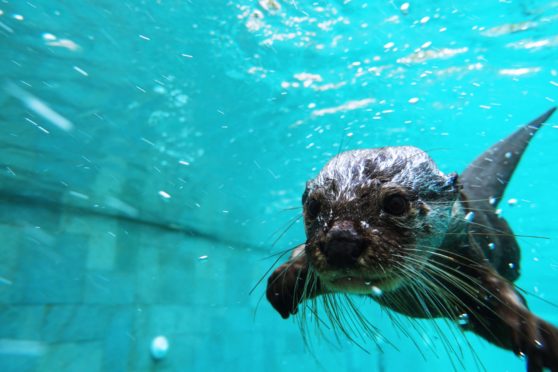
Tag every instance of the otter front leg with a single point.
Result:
(290, 284)
(504, 320)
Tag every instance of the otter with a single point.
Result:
(388, 224)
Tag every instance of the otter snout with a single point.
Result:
(343, 245)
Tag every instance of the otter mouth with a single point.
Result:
(360, 285)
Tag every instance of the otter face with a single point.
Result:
(374, 216)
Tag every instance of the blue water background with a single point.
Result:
(209, 116)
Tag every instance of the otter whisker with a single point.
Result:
(291, 208)
(420, 295)
(281, 253)
(444, 306)
(287, 227)
(469, 290)
(505, 234)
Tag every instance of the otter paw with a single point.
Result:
(285, 287)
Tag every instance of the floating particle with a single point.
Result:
(18, 17)
(511, 265)
(48, 36)
(121, 206)
(470, 216)
(187, 55)
(159, 89)
(426, 45)
(443, 29)
(39, 107)
(492, 200)
(270, 5)
(64, 43)
(491, 246)
(183, 162)
(512, 201)
(81, 71)
(413, 100)
(144, 37)
(508, 155)
(159, 347)
(203, 258)
(425, 19)
(164, 194)
(486, 107)
(78, 195)
(389, 45)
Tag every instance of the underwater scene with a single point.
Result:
(153, 185)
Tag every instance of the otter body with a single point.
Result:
(388, 224)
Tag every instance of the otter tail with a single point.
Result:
(487, 177)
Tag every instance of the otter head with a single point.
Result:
(374, 216)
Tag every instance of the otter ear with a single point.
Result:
(452, 182)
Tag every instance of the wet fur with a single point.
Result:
(449, 256)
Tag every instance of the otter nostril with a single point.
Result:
(343, 253)
(343, 245)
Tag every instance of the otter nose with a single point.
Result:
(343, 245)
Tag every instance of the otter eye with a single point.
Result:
(395, 205)
(313, 208)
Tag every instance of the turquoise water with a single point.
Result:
(153, 152)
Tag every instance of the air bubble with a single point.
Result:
(404, 8)
(376, 291)
(159, 347)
